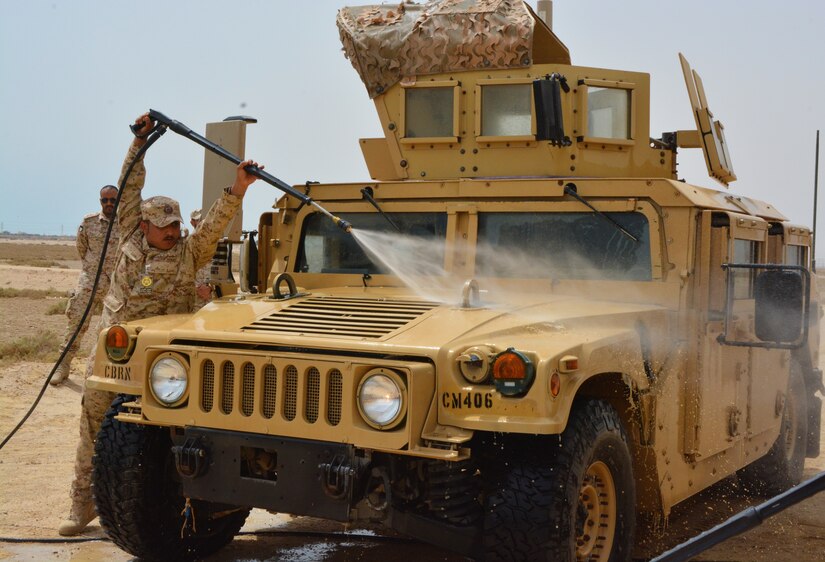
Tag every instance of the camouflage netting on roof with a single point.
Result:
(389, 42)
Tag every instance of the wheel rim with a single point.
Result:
(596, 515)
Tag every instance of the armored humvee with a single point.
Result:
(533, 335)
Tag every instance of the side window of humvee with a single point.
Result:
(506, 110)
(744, 251)
(605, 111)
(796, 255)
(430, 111)
(608, 113)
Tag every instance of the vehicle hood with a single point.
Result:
(391, 322)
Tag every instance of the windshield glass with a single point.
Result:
(325, 248)
(563, 246)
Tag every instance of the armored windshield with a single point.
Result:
(325, 248)
(514, 245)
(563, 246)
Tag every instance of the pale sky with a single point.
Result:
(75, 73)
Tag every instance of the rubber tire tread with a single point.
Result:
(532, 513)
(137, 500)
(774, 473)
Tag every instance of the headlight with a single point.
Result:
(381, 398)
(169, 379)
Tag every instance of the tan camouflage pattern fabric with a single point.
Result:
(387, 43)
(160, 211)
(202, 277)
(93, 406)
(90, 236)
(145, 282)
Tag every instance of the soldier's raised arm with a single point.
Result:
(206, 236)
(128, 211)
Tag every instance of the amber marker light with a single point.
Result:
(118, 343)
(555, 384)
(513, 373)
(569, 364)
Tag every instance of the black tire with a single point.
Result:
(136, 490)
(541, 508)
(781, 468)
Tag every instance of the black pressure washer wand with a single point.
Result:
(183, 130)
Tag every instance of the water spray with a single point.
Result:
(163, 122)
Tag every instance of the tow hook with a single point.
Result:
(190, 458)
(337, 477)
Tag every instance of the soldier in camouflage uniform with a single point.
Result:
(90, 236)
(203, 290)
(154, 275)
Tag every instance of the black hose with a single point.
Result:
(262, 533)
(158, 132)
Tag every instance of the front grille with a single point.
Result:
(343, 316)
(287, 392)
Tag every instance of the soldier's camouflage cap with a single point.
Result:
(195, 215)
(160, 211)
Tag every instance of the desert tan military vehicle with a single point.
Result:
(533, 335)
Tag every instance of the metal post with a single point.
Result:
(816, 191)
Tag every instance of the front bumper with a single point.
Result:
(295, 476)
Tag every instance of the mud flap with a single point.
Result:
(814, 426)
(464, 540)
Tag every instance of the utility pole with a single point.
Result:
(816, 191)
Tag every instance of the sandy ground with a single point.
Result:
(36, 470)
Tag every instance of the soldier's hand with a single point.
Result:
(204, 292)
(244, 179)
(145, 127)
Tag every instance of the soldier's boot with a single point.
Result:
(81, 515)
(63, 370)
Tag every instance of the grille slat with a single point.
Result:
(290, 392)
(227, 387)
(358, 319)
(335, 391)
(208, 385)
(248, 389)
(343, 316)
(270, 391)
(321, 328)
(313, 394)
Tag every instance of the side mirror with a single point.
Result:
(781, 306)
(549, 115)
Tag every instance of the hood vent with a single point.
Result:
(343, 316)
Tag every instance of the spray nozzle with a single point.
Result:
(342, 224)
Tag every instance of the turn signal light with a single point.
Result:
(569, 364)
(118, 343)
(513, 373)
(555, 384)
